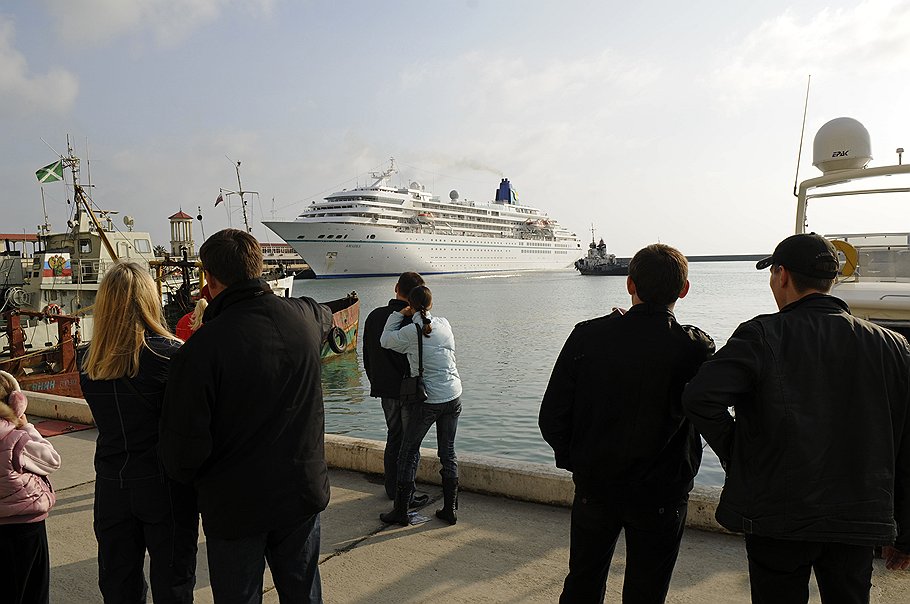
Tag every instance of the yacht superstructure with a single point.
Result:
(381, 229)
(875, 272)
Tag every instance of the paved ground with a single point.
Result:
(500, 550)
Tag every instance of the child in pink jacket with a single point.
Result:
(26, 496)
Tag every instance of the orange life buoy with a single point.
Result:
(52, 310)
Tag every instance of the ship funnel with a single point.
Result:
(505, 193)
(841, 144)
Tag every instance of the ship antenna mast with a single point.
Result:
(802, 133)
(241, 193)
(81, 200)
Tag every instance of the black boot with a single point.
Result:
(399, 514)
(450, 501)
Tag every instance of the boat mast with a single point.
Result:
(241, 193)
(72, 162)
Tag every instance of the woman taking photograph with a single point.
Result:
(442, 407)
(137, 508)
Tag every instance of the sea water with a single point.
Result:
(509, 329)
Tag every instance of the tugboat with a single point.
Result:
(599, 262)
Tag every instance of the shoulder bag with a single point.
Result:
(412, 388)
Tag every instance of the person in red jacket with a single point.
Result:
(191, 321)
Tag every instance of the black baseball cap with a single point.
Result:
(807, 254)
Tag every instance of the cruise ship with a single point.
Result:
(381, 229)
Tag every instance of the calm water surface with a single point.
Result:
(509, 329)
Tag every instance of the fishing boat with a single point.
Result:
(47, 301)
(381, 229)
(52, 368)
(874, 278)
(342, 337)
(599, 262)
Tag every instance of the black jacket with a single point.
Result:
(820, 447)
(126, 412)
(384, 367)
(612, 409)
(243, 418)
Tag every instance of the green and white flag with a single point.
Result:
(51, 173)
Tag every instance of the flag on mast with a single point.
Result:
(219, 200)
(51, 173)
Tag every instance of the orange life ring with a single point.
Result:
(52, 310)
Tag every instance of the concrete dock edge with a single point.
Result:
(523, 481)
(64, 408)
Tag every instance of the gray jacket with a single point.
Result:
(440, 376)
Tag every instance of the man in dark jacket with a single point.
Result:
(385, 368)
(818, 454)
(243, 421)
(613, 416)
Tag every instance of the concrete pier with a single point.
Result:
(510, 547)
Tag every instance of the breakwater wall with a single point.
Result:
(524, 481)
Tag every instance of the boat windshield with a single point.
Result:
(858, 212)
(881, 256)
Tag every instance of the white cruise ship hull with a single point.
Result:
(356, 250)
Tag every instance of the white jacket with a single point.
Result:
(440, 376)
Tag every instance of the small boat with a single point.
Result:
(599, 262)
(343, 335)
(53, 368)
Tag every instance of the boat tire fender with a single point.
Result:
(338, 340)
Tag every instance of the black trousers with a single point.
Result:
(653, 533)
(292, 551)
(779, 571)
(160, 518)
(25, 563)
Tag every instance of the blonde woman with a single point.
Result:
(137, 508)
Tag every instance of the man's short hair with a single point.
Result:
(659, 273)
(407, 282)
(232, 256)
(804, 284)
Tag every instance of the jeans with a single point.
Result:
(25, 563)
(653, 534)
(160, 517)
(392, 409)
(779, 571)
(416, 420)
(236, 565)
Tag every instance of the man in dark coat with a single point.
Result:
(243, 421)
(385, 368)
(817, 455)
(612, 414)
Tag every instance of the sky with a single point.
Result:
(650, 120)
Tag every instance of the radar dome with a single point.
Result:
(415, 185)
(453, 194)
(841, 144)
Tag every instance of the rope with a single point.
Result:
(39, 352)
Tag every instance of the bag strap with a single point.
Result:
(419, 349)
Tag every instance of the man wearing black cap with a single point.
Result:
(817, 451)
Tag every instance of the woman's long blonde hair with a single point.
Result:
(198, 312)
(126, 307)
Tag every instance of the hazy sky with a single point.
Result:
(653, 120)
